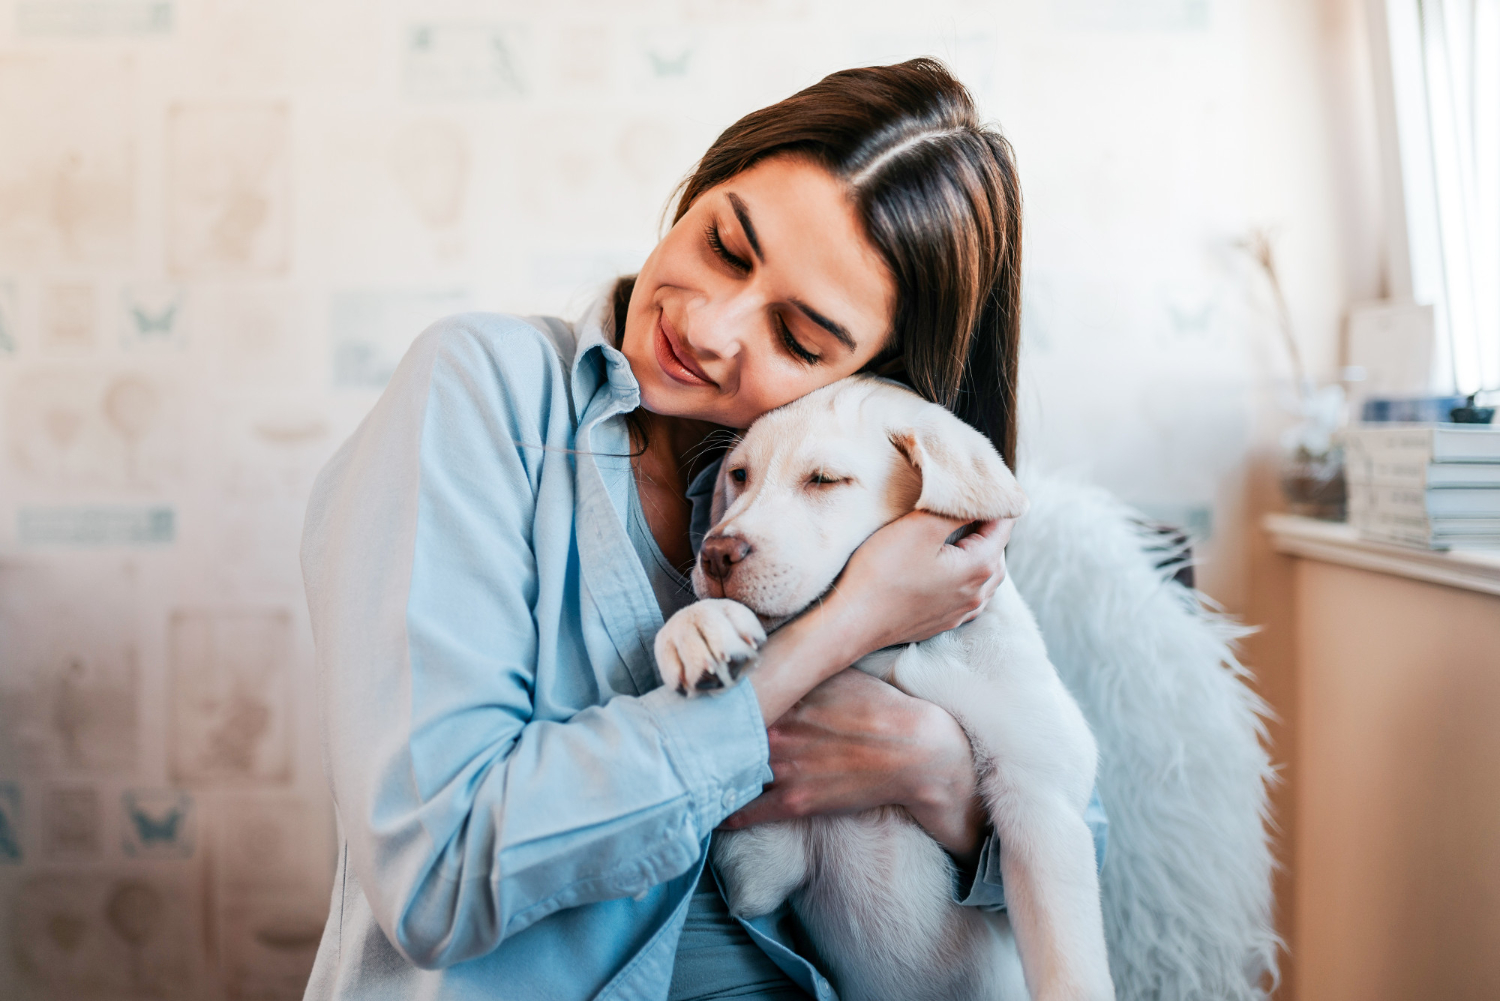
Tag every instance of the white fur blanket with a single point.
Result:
(1183, 769)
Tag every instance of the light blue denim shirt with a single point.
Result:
(523, 810)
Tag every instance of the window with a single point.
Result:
(1444, 108)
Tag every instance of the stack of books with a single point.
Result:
(1430, 485)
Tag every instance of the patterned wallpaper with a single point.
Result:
(223, 221)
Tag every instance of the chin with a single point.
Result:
(661, 396)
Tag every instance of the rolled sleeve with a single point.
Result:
(984, 887)
(468, 815)
(718, 746)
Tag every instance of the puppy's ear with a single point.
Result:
(962, 474)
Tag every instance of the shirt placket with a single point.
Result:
(614, 577)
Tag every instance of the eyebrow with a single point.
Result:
(743, 215)
(832, 326)
(838, 330)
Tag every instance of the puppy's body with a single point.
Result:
(873, 890)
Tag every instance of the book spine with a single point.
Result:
(1433, 477)
(1395, 469)
(1406, 445)
(1432, 502)
(1387, 473)
(1455, 528)
(1366, 464)
(1400, 537)
(1399, 501)
(1425, 444)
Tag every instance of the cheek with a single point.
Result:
(814, 533)
(854, 517)
(767, 380)
(677, 255)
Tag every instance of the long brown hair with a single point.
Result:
(938, 194)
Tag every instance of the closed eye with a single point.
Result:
(827, 480)
(793, 345)
(716, 242)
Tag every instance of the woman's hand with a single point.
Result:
(855, 743)
(906, 583)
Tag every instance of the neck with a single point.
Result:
(673, 451)
(674, 447)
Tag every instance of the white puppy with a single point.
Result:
(807, 484)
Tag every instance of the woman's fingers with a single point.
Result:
(906, 583)
(932, 529)
(760, 810)
(843, 748)
(988, 537)
(855, 743)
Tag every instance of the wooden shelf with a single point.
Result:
(1336, 542)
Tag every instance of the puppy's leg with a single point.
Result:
(1038, 761)
(879, 910)
(705, 646)
(1051, 891)
(761, 865)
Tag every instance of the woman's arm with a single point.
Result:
(855, 743)
(468, 814)
(906, 583)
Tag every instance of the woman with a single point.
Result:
(524, 812)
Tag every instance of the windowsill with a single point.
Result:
(1335, 542)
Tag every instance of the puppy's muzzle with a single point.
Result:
(719, 554)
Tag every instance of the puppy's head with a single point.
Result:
(812, 480)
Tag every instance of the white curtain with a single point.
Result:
(1445, 68)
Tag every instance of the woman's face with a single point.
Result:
(766, 289)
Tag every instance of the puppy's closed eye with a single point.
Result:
(822, 479)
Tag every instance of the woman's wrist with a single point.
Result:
(803, 654)
(854, 622)
(943, 797)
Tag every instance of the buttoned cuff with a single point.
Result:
(717, 745)
(984, 887)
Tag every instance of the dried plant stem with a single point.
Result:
(1258, 245)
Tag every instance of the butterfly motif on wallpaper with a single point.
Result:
(158, 824)
(158, 322)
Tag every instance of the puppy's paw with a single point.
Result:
(706, 646)
(751, 899)
(761, 866)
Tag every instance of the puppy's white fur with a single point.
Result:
(808, 484)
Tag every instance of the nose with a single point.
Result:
(721, 324)
(719, 554)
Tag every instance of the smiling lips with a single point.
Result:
(674, 361)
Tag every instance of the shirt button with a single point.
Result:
(729, 800)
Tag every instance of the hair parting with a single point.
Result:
(939, 197)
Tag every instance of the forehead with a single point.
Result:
(833, 425)
(816, 247)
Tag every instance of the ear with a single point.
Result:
(962, 474)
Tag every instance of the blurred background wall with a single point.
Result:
(222, 221)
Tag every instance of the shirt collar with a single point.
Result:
(598, 362)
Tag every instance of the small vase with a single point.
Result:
(1312, 463)
(1314, 484)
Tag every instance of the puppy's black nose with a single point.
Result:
(720, 553)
